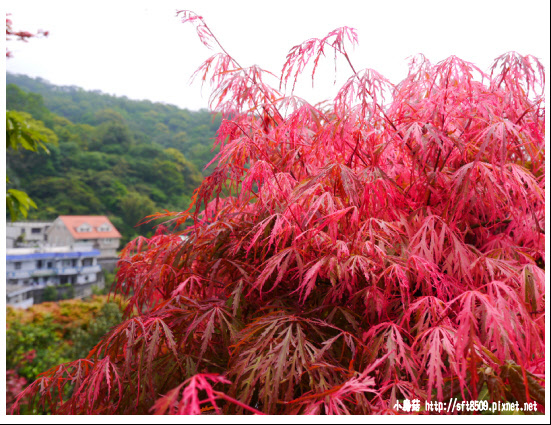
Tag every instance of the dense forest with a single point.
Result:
(108, 155)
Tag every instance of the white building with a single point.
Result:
(26, 233)
(30, 270)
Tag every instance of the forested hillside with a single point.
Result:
(114, 156)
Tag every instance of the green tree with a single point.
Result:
(69, 195)
(33, 103)
(22, 131)
(135, 207)
(192, 176)
(86, 337)
(49, 294)
(114, 137)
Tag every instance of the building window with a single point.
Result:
(49, 264)
(17, 265)
(39, 264)
(84, 227)
(104, 228)
(87, 261)
(36, 230)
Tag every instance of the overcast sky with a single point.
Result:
(140, 49)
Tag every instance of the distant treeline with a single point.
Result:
(114, 156)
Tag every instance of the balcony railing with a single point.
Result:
(78, 270)
(19, 274)
(43, 272)
(60, 271)
(67, 270)
(91, 269)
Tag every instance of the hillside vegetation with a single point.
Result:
(114, 156)
(51, 333)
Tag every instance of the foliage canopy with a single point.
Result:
(383, 246)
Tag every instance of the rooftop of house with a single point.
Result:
(89, 226)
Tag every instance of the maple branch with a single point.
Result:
(385, 116)
(273, 173)
(234, 401)
(211, 34)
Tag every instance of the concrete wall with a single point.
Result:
(109, 264)
(78, 291)
(58, 234)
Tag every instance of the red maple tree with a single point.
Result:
(344, 256)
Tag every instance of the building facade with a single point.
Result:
(30, 270)
(27, 233)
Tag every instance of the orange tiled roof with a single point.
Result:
(72, 222)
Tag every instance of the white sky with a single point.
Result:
(141, 50)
